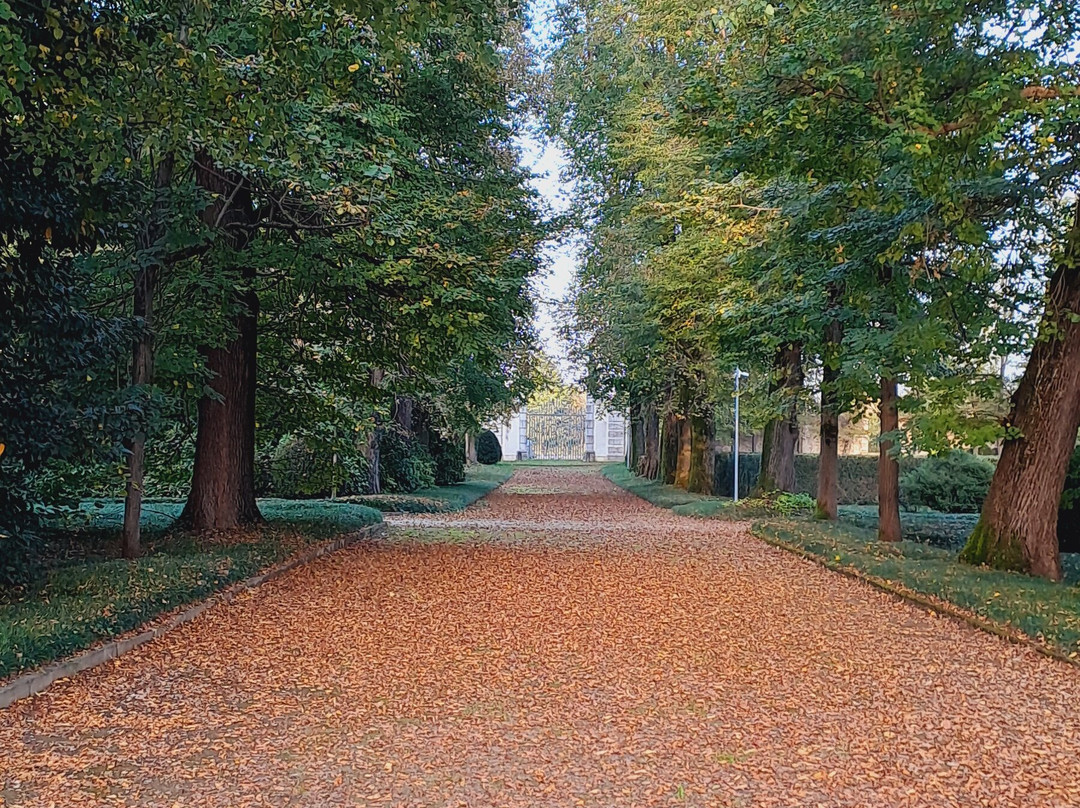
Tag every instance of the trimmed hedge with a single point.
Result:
(300, 468)
(488, 450)
(857, 475)
(953, 483)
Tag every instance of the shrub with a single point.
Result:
(856, 475)
(404, 465)
(1068, 528)
(301, 468)
(488, 449)
(956, 482)
(449, 457)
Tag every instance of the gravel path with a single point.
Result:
(561, 643)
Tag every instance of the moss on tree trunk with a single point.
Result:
(1017, 529)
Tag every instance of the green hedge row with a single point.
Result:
(857, 475)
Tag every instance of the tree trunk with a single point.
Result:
(782, 434)
(222, 492)
(403, 412)
(1017, 529)
(650, 460)
(686, 452)
(669, 447)
(703, 453)
(888, 468)
(637, 438)
(371, 454)
(142, 360)
(828, 453)
(470, 449)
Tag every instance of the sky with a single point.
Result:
(560, 258)
(545, 160)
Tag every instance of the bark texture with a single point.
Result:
(222, 492)
(888, 468)
(1017, 529)
(686, 452)
(669, 447)
(782, 434)
(650, 460)
(703, 453)
(637, 437)
(828, 457)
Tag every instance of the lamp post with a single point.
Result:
(739, 375)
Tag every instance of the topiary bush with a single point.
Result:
(404, 465)
(1068, 528)
(488, 449)
(300, 468)
(956, 482)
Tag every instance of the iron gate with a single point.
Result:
(555, 430)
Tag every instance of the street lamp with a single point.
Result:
(739, 375)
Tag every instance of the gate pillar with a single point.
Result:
(523, 441)
(590, 430)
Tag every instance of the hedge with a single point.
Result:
(857, 475)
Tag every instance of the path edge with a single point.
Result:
(898, 591)
(34, 682)
(937, 605)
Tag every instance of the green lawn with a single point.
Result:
(665, 496)
(925, 563)
(946, 530)
(479, 480)
(87, 594)
(1039, 608)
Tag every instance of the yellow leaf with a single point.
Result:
(354, 67)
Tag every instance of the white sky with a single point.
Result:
(560, 259)
(545, 160)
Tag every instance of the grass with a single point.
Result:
(663, 495)
(479, 480)
(924, 563)
(1043, 610)
(945, 530)
(86, 594)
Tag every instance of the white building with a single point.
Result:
(593, 435)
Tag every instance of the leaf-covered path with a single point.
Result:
(562, 643)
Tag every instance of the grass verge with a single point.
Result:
(1041, 610)
(926, 569)
(479, 480)
(671, 497)
(89, 595)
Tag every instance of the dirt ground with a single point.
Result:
(560, 643)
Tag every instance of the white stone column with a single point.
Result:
(523, 445)
(590, 430)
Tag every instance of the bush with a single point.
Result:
(956, 482)
(488, 449)
(856, 483)
(404, 465)
(449, 457)
(1068, 528)
(301, 468)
